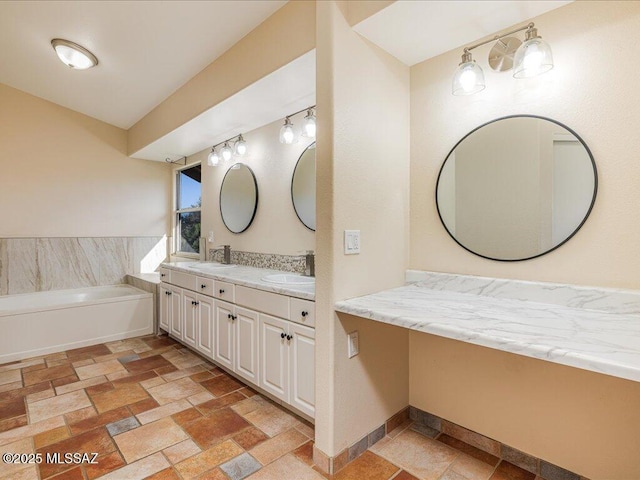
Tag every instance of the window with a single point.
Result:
(188, 205)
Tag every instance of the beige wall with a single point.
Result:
(582, 421)
(275, 228)
(283, 37)
(590, 90)
(579, 420)
(67, 175)
(362, 167)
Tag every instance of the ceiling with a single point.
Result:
(413, 31)
(273, 97)
(146, 49)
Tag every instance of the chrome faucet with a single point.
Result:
(227, 254)
(309, 264)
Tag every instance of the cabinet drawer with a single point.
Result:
(266, 302)
(165, 275)
(224, 290)
(184, 280)
(205, 286)
(303, 312)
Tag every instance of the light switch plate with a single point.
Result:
(351, 242)
(354, 345)
(210, 237)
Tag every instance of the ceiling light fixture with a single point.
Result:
(528, 59)
(289, 134)
(73, 55)
(226, 152)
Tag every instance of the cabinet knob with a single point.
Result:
(304, 314)
(194, 302)
(234, 317)
(203, 286)
(221, 291)
(229, 315)
(282, 335)
(168, 293)
(163, 274)
(289, 337)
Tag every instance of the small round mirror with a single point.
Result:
(303, 187)
(238, 198)
(516, 188)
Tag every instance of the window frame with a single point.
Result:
(177, 237)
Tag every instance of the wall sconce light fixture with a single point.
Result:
(226, 152)
(527, 59)
(288, 133)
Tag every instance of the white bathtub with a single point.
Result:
(40, 323)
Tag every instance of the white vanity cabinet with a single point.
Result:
(287, 362)
(204, 325)
(171, 309)
(263, 337)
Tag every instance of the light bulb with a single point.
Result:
(240, 147)
(309, 125)
(533, 57)
(73, 55)
(226, 152)
(469, 77)
(287, 134)
(213, 159)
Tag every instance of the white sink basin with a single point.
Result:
(289, 279)
(211, 266)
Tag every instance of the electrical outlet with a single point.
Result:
(351, 242)
(210, 237)
(353, 345)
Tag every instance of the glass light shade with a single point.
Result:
(240, 147)
(468, 79)
(213, 160)
(532, 58)
(287, 133)
(74, 55)
(309, 125)
(226, 152)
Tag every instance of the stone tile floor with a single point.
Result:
(151, 409)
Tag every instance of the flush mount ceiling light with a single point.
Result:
(288, 133)
(226, 152)
(527, 59)
(73, 55)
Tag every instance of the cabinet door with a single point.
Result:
(165, 308)
(189, 318)
(224, 333)
(205, 326)
(246, 347)
(175, 301)
(274, 356)
(302, 368)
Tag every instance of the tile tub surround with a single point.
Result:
(30, 265)
(588, 328)
(271, 261)
(249, 277)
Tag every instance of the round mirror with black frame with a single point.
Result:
(303, 187)
(516, 188)
(238, 198)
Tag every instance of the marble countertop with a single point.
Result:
(248, 277)
(590, 339)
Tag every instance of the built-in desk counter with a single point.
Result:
(594, 329)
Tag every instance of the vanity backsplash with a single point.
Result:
(610, 300)
(284, 263)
